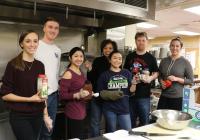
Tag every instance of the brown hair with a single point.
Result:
(50, 19)
(18, 62)
(177, 39)
(141, 34)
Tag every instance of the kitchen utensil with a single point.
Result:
(140, 133)
(172, 119)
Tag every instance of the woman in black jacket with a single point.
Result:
(100, 64)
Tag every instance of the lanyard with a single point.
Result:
(170, 67)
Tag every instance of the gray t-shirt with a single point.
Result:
(181, 68)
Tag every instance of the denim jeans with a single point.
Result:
(52, 103)
(113, 119)
(96, 115)
(139, 107)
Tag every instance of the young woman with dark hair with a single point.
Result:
(115, 87)
(100, 64)
(71, 91)
(19, 90)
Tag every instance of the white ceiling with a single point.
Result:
(170, 17)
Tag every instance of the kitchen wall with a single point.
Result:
(9, 33)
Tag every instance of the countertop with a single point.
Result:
(192, 132)
(189, 132)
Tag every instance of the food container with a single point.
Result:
(172, 119)
(42, 86)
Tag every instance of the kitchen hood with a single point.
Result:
(102, 14)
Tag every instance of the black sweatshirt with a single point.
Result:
(100, 65)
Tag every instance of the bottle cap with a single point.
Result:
(41, 76)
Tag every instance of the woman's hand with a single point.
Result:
(172, 78)
(36, 98)
(88, 65)
(83, 93)
(48, 122)
(76, 96)
(162, 83)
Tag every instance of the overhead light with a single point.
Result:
(186, 33)
(146, 25)
(195, 10)
(150, 37)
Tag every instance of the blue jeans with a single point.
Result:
(52, 103)
(139, 107)
(96, 115)
(112, 119)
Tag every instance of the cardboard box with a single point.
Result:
(191, 102)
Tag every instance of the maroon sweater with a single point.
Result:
(22, 83)
(74, 109)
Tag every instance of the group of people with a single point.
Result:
(32, 117)
(124, 90)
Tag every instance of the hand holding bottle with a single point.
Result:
(36, 98)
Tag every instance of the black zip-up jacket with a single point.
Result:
(100, 65)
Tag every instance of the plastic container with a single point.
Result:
(42, 86)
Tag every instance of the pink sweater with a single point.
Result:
(74, 109)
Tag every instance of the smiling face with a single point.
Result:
(77, 58)
(175, 48)
(116, 60)
(107, 49)
(30, 43)
(51, 30)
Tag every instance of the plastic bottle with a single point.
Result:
(42, 86)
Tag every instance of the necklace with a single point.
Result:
(29, 67)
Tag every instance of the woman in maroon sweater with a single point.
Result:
(19, 90)
(71, 91)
